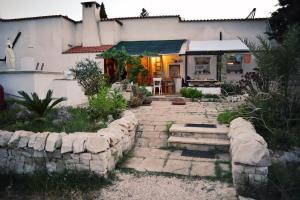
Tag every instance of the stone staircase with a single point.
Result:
(199, 138)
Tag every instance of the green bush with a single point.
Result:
(191, 93)
(229, 89)
(211, 96)
(89, 76)
(104, 104)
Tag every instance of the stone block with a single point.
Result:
(14, 140)
(24, 139)
(31, 141)
(40, 141)
(54, 141)
(39, 154)
(82, 167)
(79, 143)
(85, 158)
(67, 143)
(98, 166)
(3, 153)
(261, 170)
(96, 144)
(5, 137)
(75, 157)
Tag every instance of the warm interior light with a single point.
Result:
(230, 63)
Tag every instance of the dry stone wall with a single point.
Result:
(250, 156)
(25, 152)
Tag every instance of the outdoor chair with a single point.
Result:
(157, 84)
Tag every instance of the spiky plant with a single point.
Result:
(41, 107)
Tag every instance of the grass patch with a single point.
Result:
(80, 122)
(170, 148)
(168, 127)
(57, 184)
(223, 175)
(227, 116)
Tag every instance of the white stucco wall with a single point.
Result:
(70, 60)
(41, 41)
(90, 33)
(39, 82)
(171, 28)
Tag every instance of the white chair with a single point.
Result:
(157, 84)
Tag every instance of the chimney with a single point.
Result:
(90, 18)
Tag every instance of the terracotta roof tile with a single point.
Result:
(95, 49)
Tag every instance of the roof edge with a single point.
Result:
(38, 17)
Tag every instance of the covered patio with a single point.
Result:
(161, 59)
(208, 63)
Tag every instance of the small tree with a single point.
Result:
(40, 107)
(89, 76)
(121, 58)
(102, 13)
(144, 13)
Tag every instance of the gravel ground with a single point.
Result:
(151, 187)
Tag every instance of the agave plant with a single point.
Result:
(39, 106)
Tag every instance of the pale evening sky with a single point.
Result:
(188, 9)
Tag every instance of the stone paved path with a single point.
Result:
(151, 154)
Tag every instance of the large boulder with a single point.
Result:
(247, 147)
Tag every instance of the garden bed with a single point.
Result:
(66, 119)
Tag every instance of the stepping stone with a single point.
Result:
(203, 169)
(178, 101)
(177, 167)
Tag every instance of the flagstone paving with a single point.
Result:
(151, 152)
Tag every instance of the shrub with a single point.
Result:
(89, 76)
(191, 93)
(211, 96)
(140, 96)
(104, 104)
(39, 106)
(229, 89)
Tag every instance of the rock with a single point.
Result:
(110, 119)
(126, 95)
(247, 147)
(24, 115)
(54, 141)
(14, 140)
(245, 198)
(96, 144)
(98, 166)
(84, 158)
(117, 86)
(31, 141)
(24, 139)
(113, 135)
(40, 141)
(5, 137)
(63, 114)
(67, 143)
(79, 143)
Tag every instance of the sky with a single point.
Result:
(187, 9)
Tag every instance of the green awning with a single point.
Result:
(155, 47)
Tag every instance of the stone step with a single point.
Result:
(200, 144)
(180, 130)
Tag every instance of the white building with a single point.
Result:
(48, 45)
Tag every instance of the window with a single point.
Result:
(234, 63)
(202, 65)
